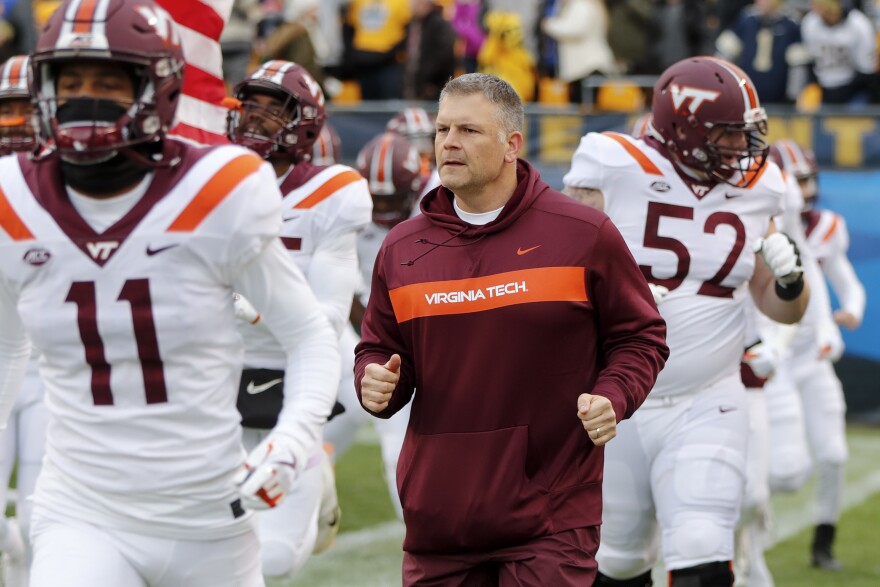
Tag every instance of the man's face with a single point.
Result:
(467, 147)
(733, 144)
(265, 119)
(95, 79)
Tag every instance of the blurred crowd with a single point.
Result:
(796, 51)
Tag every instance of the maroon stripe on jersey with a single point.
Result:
(82, 293)
(810, 221)
(137, 293)
(291, 243)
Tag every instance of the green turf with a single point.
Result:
(367, 553)
(858, 548)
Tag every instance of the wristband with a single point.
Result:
(792, 290)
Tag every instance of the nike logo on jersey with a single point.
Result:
(731, 196)
(151, 252)
(522, 251)
(289, 218)
(255, 389)
(725, 409)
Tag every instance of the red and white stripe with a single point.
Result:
(200, 117)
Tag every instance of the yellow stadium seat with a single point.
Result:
(619, 96)
(552, 92)
(810, 98)
(350, 94)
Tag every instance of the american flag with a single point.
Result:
(200, 117)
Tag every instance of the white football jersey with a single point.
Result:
(320, 207)
(827, 235)
(141, 361)
(699, 245)
(369, 242)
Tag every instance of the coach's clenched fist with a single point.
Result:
(379, 383)
(598, 418)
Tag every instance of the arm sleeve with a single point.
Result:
(334, 276)
(278, 289)
(586, 169)
(381, 338)
(15, 349)
(632, 331)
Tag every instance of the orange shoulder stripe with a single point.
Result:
(642, 159)
(831, 229)
(751, 177)
(479, 294)
(328, 188)
(11, 222)
(215, 191)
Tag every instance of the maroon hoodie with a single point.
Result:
(500, 328)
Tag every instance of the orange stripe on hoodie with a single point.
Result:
(11, 222)
(215, 191)
(478, 294)
(328, 188)
(642, 159)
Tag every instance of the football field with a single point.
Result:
(367, 552)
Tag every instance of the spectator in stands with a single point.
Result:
(378, 42)
(766, 44)
(529, 15)
(629, 35)
(548, 48)
(683, 30)
(580, 28)
(467, 22)
(841, 41)
(505, 55)
(728, 11)
(237, 39)
(298, 38)
(430, 51)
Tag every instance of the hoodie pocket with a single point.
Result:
(466, 491)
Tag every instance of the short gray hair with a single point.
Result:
(508, 104)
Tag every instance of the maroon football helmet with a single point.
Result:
(298, 121)
(138, 35)
(391, 165)
(698, 101)
(327, 150)
(16, 111)
(801, 163)
(416, 126)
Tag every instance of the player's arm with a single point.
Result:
(334, 275)
(291, 312)
(778, 285)
(849, 290)
(15, 349)
(589, 196)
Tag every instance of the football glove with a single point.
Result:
(244, 310)
(781, 257)
(762, 358)
(268, 474)
(659, 292)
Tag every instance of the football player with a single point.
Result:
(25, 436)
(816, 344)
(119, 252)
(391, 166)
(417, 126)
(279, 115)
(694, 200)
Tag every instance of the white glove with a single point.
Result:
(268, 474)
(781, 257)
(762, 358)
(244, 310)
(659, 292)
(829, 340)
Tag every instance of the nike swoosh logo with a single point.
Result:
(151, 252)
(255, 389)
(725, 409)
(289, 218)
(522, 251)
(732, 196)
